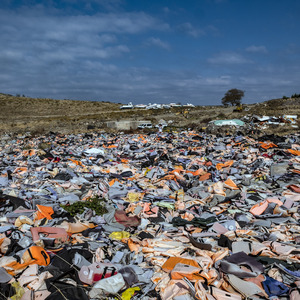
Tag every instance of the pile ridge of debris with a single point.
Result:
(169, 215)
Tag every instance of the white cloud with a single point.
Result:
(108, 4)
(228, 58)
(111, 51)
(40, 39)
(211, 29)
(189, 29)
(201, 81)
(158, 42)
(222, 80)
(46, 53)
(60, 55)
(128, 23)
(166, 9)
(257, 49)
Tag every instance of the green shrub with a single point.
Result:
(95, 203)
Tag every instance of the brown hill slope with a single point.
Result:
(23, 114)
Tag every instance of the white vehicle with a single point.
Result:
(127, 106)
(145, 125)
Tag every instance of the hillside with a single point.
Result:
(23, 114)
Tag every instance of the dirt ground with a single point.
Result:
(20, 115)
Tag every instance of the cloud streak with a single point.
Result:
(229, 58)
(36, 42)
(158, 43)
(189, 29)
(257, 49)
(114, 54)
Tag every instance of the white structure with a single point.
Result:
(154, 106)
(140, 106)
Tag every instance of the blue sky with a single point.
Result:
(150, 51)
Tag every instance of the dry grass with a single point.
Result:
(23, 114)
